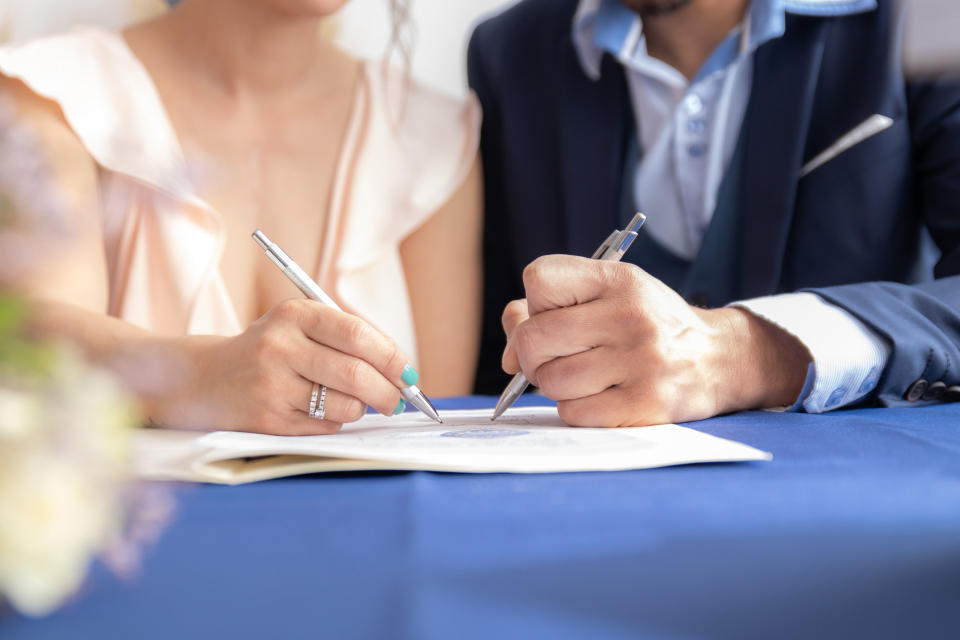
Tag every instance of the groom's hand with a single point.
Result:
(616, 347)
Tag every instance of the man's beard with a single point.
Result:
(655, 7)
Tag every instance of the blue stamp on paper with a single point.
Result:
(484, 432)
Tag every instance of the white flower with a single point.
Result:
(54, 516)
(64, 452)
(20, 415)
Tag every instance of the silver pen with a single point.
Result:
(312, 290)
(612, 249)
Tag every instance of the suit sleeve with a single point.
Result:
(922, 321)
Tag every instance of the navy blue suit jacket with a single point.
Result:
(554, 143)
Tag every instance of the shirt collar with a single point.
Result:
(607, 26)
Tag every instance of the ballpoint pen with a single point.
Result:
(612, 249)
(312, 290)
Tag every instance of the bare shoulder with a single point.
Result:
(37, 139)
(46, 122)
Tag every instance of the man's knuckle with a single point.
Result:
(623, 314)
(570, 412)
(549, 379)
(508, 361)
(525, 337)
(535, 273)
(509, 315)
(515, 308)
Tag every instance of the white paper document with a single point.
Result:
(525, 440)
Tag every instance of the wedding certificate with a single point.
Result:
(525, 440)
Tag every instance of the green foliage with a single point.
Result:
(6, 211)
(20, 358)
(12, 314)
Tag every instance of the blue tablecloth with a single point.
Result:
(852, 531)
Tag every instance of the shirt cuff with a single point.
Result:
(848, 357)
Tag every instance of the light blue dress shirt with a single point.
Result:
(687, 132)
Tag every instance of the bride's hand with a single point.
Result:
(262, 379)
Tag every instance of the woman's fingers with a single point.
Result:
(347, 378)
(334, 405)
(355, 337)
(287, 413)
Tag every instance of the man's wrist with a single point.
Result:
(765, 365)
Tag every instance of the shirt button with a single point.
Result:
(836, 397)
(696, 126)
(697, 150)
(693, 104)
(951, 394)
(870, 383)
(916, 390)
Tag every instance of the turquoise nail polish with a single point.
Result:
(409, 375)
(400, 407)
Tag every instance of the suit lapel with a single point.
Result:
(775, 131)
(594, 122)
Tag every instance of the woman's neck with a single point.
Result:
(243, 48)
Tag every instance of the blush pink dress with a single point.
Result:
(163, 243)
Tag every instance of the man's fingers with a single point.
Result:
(562, 332)
(581, 375)
(514, 313)
(557, 281)
(614, 407)
(509, 361)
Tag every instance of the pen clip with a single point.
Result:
(602, 250)
(619, 241)
(275, 253)
(624, 241)
(636, 222)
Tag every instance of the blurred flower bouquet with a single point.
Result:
(65, 433)
(65, 427)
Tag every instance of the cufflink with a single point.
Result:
(916, 390)
(935, 391)
(951, 394)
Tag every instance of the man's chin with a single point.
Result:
(649, 8)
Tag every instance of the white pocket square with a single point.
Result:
(867, 129)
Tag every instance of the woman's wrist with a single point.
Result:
(177, 385)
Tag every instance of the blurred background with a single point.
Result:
(440, 28)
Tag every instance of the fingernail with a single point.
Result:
(409, 375)
(400, 406)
